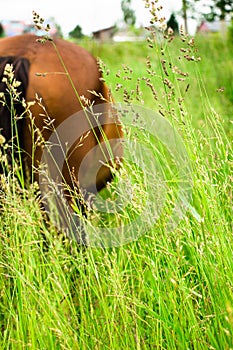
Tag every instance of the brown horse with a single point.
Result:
(60, 72)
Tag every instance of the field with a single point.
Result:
(169, 288)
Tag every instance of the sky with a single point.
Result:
(91, 15)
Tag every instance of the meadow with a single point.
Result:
(167, 289)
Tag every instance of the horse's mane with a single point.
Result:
(8, 126)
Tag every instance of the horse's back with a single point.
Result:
(47, 73)
(60, 73)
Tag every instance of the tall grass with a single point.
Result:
(166, 290)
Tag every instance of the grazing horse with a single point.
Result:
(59, 73)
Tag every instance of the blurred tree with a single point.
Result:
(76, 33)
(184, 9)
(128, 12)
(173, 24)
(188, 11)
(55, 27)
(2, 32)
(219, 9)
(59, 30)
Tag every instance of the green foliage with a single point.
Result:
(216, 9)
(230, 33)
(173, 24)
(2, 33)
(219, 9)
(76, 33)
